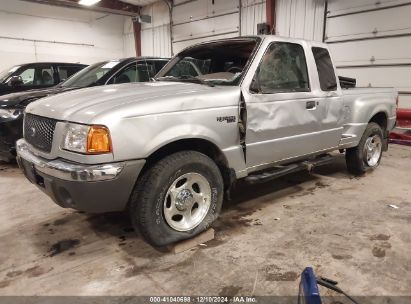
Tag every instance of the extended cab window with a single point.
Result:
(283, 69)
(328, 81)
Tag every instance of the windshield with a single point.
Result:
(7, 73)
(216, 63)
(89, 75)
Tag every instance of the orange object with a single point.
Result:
(98, 140)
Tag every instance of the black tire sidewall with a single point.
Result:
(156, 229)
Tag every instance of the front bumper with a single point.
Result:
(89, 188)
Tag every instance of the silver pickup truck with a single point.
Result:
(252, 108)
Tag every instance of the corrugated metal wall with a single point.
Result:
(155, 36)
(196, 21)
(202, 20)
(252, 13)
(129, 45)
(300, 19)
(371, 41)
(31, 32)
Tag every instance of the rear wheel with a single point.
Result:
(367, 155)
(177, 198)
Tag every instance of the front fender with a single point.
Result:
(139, 137)
(179, 132)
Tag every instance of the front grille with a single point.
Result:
(39, 131)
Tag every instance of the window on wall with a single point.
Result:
(325, 68)
(283, 69)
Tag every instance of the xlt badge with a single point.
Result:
(228, 119)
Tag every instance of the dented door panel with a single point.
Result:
(279, 127)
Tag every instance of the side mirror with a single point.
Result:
(15, 81)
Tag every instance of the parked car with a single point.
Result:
(167, 151)
(37, 75)
(102, 73)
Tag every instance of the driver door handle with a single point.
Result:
(310, 105)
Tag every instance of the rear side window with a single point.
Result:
(149, 67)
(328, 81)
(135, 72)
(66, 72)
(159, 64)
(283, 69)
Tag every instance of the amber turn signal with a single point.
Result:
(98, 140)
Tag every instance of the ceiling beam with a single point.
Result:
(105, 6)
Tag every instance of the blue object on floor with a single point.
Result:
(309, 293)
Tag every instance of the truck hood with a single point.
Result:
(22, 99)
(100, 104)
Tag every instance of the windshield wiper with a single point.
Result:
(186, 78)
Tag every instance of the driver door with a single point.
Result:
(283, 114)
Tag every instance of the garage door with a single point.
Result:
(202, 20)
(371, 41)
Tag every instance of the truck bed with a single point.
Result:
(369, 90)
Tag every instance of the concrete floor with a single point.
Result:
(338, 224)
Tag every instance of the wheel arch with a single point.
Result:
(380, 118)
(194, 144)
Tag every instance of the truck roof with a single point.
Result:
(50, 63)
(262, 37)
(299, 40)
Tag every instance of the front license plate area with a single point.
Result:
(30, 172)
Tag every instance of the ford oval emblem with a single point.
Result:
(32, 131)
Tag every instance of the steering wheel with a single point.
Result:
(234, 69)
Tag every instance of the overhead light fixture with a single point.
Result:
(88, 2)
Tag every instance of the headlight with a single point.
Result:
(10, 113)
(87, 139)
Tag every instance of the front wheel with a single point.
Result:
(177, 198)
(367, 155)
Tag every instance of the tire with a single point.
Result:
(357, 158)
(163, 204)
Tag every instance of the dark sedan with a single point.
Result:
(37, 75)
(102, 73)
